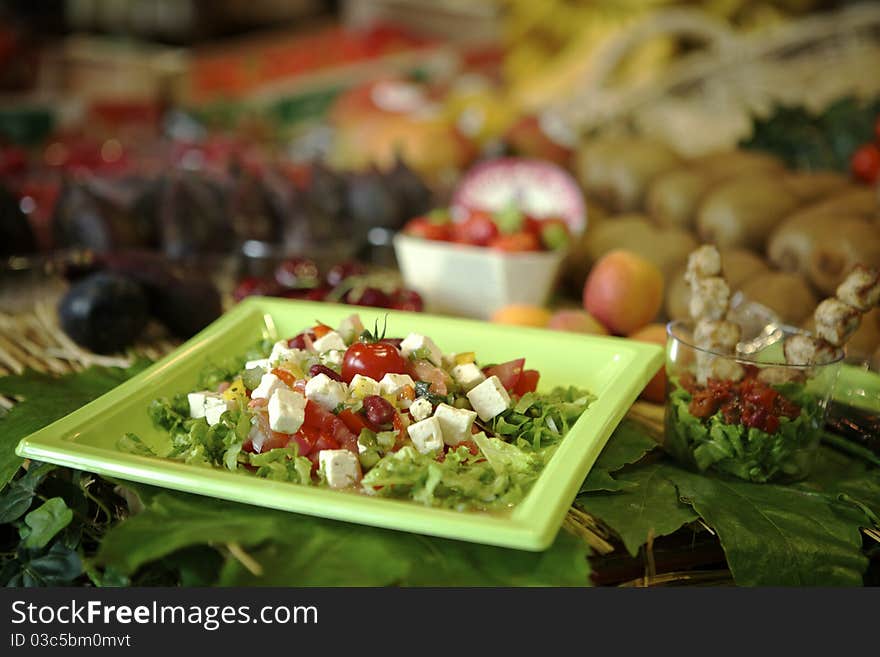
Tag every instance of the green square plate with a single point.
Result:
(615, 370)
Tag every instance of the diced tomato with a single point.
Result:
(478, 229)
(326, 442)
(528, 382)
(330, 426)
(263, 438)
(321, 330)
(471, 446)
(354, 421)
(305, 439)
(288, 378)
(423, 370)
(427, 229)
(516, 242)
(399, 423)
(509, 373)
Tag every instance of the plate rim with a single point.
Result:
(532, 525)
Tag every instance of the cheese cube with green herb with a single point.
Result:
(326, 392)
(363, 386)
(421, 409)
(418, 346)
(281, 352)
(269, 383)
(287, 411)
(489, 398)
(467, 375)
(340, 467)
(329, 341)
(215, 406)
(260, 363)
(393, 384)
(455, 423)
(351, 328)
(426, 435)
(197, 403)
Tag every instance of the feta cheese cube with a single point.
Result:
(340, 467)
(415, 342)
(455, 423)
(392, 384)
(350, 328)
(280, 352)
(261, 363)
(331, 340)
(421, 409)
(332, 358)
(363, 386)
(467, 375)
(197, 403)
(287, 411)
(426, 435)
(215, 406)
(269, 383)
(326, 392)
(489, 398)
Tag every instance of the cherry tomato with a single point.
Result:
(509, 373)
(528, 382)
(865, 163)
(429, 230)
(516, 242)
(478, 229)
(251, 285)
(372, 359)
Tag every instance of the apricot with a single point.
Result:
(623, 291)
(522, 315)
(655, 391)
(576, 321)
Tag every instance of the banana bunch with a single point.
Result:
(550, 43)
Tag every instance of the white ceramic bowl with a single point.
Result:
(472, 281)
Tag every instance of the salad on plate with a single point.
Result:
(351, 409)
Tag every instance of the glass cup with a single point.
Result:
(753, 417)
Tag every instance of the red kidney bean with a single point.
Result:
(315, 370)
(378, 410)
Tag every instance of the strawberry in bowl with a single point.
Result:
(501, 242)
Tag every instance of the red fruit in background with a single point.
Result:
(527, 138)
(478, 229)
(877, 129)
(407, 300)
(314, 294)
(255, 286)
(343, 270)
(517, 242)
(297, 273)
(368, 296)
(865, 163)
(428, 229)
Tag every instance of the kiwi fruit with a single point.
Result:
(842, 246)
(742, 212)
(616, 171)
(786, 293)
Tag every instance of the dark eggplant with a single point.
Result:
(104, 312)
(370, 201)
(413, 196)
(18, 238)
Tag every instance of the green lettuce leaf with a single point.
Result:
(48, 398)
(296, 550)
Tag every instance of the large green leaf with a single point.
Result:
(305, 551)
(629, 444)
(648, 506)
(777, 535)
(846, 478)
(46, 521)
(46, 399)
